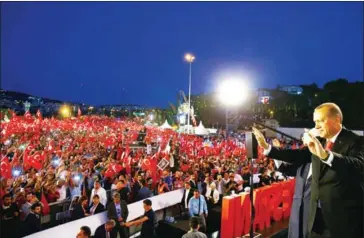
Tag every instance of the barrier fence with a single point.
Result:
(70, 229)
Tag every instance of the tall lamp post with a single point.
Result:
(232, 93)
(189, 58)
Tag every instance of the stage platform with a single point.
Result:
(181, 227)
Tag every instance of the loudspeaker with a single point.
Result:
(251, 145)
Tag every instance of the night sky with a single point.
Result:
(119, 52)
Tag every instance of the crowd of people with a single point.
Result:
(92, 159)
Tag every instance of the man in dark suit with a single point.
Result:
(106, 231)
(96, 206)
(32, 222)
(187, 195)
(336, 206)
(118, 211)
(298, 227)
(80, 209)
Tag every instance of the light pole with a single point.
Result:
(232, 93)
(189, 58)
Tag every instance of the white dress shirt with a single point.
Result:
(215, 194)
(186, 197)
(102, 194)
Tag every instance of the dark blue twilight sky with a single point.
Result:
(124, 52)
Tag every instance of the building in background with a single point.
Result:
(294, 90)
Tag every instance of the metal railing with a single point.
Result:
(60, 213)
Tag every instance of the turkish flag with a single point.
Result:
(39, 115)
(45, 210)
(109, 173)
(5, 168)
(28, 117)
(116, 167)
(109, 142)
(146, 164)
(36, 160)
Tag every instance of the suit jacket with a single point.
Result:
(189, 196)
(99, 208)
(77, 212)
(101, 232)
(298, 226)
(32, 224)
(124, 194)
(111, 212)
(338, 188)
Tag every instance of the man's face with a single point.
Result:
(96, 185)
(196, 194)
(7, 201)
(81, 234)
(37, 210)
(108, 227)
(29, 197)
(325, 124)
(187, 186)
(117, 200)
(95, 200)
(145, 206)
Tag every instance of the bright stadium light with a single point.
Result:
(233, 92)
(65, 111)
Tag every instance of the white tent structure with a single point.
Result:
(201, 130)
(165, 125)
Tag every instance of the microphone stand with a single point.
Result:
(255, 121)
(253, 234)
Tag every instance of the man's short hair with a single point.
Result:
(111, 222)
(116, 195)
(334, 110)
(196, 190)
(142, 181)
(35, 205)
(96, 196)
(194, 222)
(7, 196)
(86, 230)
(147, 202)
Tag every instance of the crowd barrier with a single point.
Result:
(271, 203)
(136, 210)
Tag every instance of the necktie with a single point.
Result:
(329, 145)
(93, 209)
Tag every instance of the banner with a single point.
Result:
(272, 203)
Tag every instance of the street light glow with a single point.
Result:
(65, 111)
(189, 57)
(233, 92)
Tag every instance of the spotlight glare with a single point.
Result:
(233, 92)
